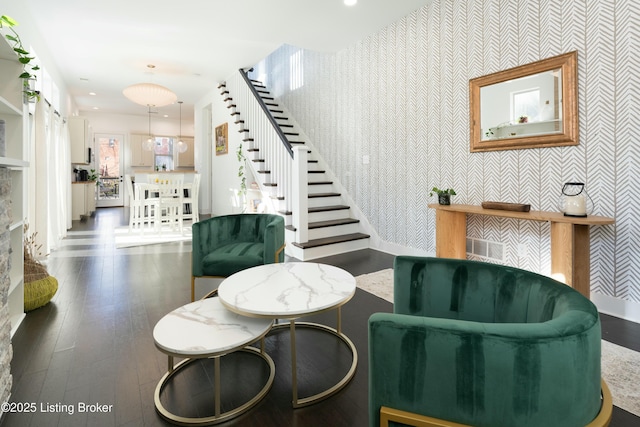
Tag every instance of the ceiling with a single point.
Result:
(103, 46)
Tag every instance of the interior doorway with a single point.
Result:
(110, 166)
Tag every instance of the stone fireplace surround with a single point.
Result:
(6, 350)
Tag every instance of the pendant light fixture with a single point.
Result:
(148, 143)
(182, 146)
(150, 94)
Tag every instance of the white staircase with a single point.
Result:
(319, 222)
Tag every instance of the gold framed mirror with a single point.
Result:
(530, 106)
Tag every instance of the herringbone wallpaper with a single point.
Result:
(401, 97)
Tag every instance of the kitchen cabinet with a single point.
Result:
(83, 199)
(80, 139)
(185, 160)
(140, 156)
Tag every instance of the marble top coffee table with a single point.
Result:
(206, 329)
(290, 291)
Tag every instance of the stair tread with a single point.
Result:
(331, 240)
(329, 223)
(316, 195)
(321, 209)
(328, 208)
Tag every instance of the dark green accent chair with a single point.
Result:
(485, 345)
(224, 245)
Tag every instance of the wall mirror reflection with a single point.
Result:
(530, 106)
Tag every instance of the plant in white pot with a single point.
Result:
(444, 196)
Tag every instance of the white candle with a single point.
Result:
(576, 205)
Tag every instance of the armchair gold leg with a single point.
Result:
(278, 253)
(416, 420)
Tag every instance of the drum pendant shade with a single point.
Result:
(150, 94)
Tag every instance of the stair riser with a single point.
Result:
(321, 188)
(327, 250)
(320, 216)
(315, 202)
(324, 232)
(338, 230)
(329, 215)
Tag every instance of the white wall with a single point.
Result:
(225, 182)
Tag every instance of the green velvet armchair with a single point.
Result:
(479, 344)
(224, 245)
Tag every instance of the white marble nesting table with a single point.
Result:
(289, 291)
(206, 329)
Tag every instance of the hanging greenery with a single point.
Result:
(28, 69)
(243, 179)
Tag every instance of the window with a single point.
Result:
(163, 150)
(525, 103)
(296, 71)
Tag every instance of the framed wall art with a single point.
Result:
(222, 139)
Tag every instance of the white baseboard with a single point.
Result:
(395, 249)
(617, 307)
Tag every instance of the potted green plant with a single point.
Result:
(28, 69)
(444, 196)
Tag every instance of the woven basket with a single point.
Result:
(39, 287)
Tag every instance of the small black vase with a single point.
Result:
(444, 199)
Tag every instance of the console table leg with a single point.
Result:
(451, 230)
(570, 255)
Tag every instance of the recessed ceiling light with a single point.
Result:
(96, 108)
(350, 2)
(92, 93)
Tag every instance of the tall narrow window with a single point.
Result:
(526, 104)
(163, 153)
(296, 71)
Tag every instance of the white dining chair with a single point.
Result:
(171, 199)
(134, 205)
(193, 189)
(142, 209)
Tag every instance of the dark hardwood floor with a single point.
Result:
(93, 344)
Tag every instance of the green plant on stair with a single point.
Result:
(241, 171)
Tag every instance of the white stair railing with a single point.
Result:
(275, 150)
